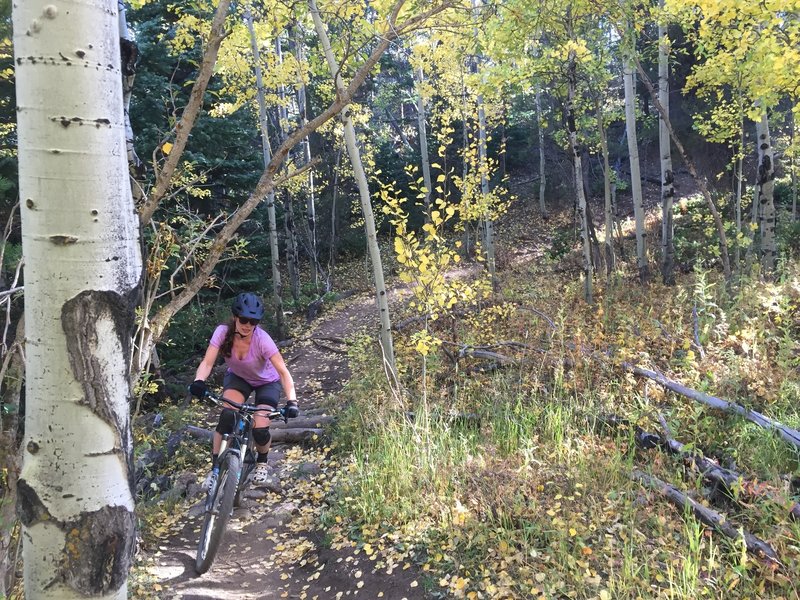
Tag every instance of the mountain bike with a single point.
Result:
(236, 461)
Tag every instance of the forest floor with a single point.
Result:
(538, 501)
(274, 546)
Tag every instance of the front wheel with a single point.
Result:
(218, 513)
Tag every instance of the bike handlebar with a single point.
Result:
(246, 408)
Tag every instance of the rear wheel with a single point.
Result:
(217, 515)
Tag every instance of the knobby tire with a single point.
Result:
(216, 519)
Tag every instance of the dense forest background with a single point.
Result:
(601, 295)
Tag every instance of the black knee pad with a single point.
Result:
(261, 436)
(226, 421)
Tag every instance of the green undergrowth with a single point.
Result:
(517, 483)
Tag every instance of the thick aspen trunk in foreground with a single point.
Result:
(82, 273)
(363, 190)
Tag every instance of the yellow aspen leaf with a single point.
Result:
(166, 147)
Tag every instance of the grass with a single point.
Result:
(531, 497)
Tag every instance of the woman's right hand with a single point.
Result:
(198, 388)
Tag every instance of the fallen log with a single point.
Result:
(732, 483)
(710, 517)
(304, 422)
(288, 436)
(787, 433)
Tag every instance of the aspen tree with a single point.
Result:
(572, 129)
(542, 163)
(636, 178)
(419, 77)
(83, 268)
(664, 146)
(766, 200)
(363, 190)
(277, 286)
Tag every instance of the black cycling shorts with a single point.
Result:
(269, 393)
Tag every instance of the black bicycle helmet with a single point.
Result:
(248, 305)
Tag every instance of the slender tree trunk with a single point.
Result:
(465, 165)
(11, 380)
(636, 178)
(277, 286)
(190, 113)
(793, 163)
(129, 53)
(363, 188)
(311, 209)
(423, 143)
(738, 200)
(610, 258)
(292, 253)
(540, 128)
(488, 221)
(701, 183)
(572, 81)
(83, 269)
(334, 220)
(667, 176)
(766, 200)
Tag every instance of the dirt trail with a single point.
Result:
(274, 547)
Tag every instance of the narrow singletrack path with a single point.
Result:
(275, 546)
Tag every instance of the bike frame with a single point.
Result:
(240, 441)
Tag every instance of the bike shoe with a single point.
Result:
(261, 474)
(211, 481)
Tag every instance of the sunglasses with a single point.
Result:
(246, 321)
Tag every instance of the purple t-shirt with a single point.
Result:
(256, 368)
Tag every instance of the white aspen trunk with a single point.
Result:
(607, 196)
(423, 142)
(465, 165)
(363, 190)
(277, 286)
(766, 200)
(540, 127)
(292, 253)
(701, 183)
(80, 237)
(664, 146)
(793, 163)
(578, 173)
(129, 53)
(488, 222)
(636, 178)
(738, 200)
(311, 209)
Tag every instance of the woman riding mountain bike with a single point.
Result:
(254, 364)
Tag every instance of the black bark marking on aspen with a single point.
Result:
(30, 509)
(32, 447)
(63, 240)
(79, 318)
(80, 53)
(98, 550)
(29, 203)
